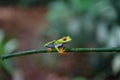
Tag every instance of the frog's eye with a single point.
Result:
(64, 39)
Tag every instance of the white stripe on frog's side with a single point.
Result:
(58, 45)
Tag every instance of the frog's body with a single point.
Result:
(58, 44)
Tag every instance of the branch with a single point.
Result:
(66, 50)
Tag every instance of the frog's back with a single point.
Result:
(49, 43)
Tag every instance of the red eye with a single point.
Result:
(64, 39)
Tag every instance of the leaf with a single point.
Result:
(81, 5)
(55, 10)
(116, 64)
(1, 36)
(10, 46)
(1, 41)
(7, 65)
(79, 78)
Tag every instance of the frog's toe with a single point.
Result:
(62, 51)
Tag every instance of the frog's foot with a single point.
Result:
(62, 51)
(49, 49)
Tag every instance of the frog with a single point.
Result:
(58, 44)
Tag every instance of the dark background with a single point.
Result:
(29, 24)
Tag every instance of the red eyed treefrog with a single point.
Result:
(58, 44)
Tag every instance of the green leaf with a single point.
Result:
(1, 41)
(81, 5)
(116, 64)
(7, 65)
(1, 37)
(79, 78)
(57, 10)
(10, 46)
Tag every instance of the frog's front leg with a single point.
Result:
(62, 51)
(60, 48)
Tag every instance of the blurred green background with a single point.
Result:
(29, 24)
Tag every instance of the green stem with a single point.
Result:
(66, 50)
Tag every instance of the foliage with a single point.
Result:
(79, 78)
(6, 47)
(24, 3)
(89, 23)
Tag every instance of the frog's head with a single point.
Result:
(65, 39)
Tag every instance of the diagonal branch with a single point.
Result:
(66, 50)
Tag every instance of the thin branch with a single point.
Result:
(66, 50)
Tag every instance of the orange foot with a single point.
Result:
(62, 51)
(49, 49)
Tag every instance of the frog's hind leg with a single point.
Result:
(49, 49)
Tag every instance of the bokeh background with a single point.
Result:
(29, 24)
